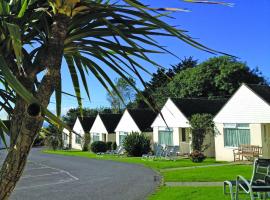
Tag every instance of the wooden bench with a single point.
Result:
(247, 151)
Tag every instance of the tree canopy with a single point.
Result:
(214, 78)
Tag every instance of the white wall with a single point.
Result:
(226, 153)
(65, 141)
(172, 115)
(78, 129)
(174, 119)
(126, 124)
(244, 107)
(98, 127)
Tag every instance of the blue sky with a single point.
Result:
(242, 31)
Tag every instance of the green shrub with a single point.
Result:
(109, 145)
(136, 144)
(98, 146)
(197, 156)
(114, 146)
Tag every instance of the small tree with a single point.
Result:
(201, 125)
(85, 142)
(136, 144)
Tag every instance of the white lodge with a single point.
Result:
(134, 120)
(103, 127)
(172, 127)
(244, 119)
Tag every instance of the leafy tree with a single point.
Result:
(216, 77)
(37, 35)
(53, 137)
(127, 94)
(156, 88)
(201, 125)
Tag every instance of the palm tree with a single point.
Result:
(36, 35)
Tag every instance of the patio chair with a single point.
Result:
(174, 152)
(257, 187)
(158, 152)
(118, 150)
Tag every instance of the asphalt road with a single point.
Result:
(55, 177)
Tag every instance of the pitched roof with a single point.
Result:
(87, 122)
(143, 118)
(191, 106)
(262, 90)
(110, 121)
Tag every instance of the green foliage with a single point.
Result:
(109, 146)
(197, 156)
(201, 125)
(53, 137)
(114, 146)
(127, 94)
(156, 89)
(136, 144)
(98, 146)
(216, 77)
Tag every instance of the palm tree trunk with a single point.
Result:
(25, 125)
(15, 161)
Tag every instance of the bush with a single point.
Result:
(109, 146)
(201, 125)
(52, 142)
(197, 156)
(114, 146)
(136, 144)
(98, 146)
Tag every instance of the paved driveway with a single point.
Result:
(55, 177)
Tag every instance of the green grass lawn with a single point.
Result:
(156, 164)
(208, 174)
(189, 193)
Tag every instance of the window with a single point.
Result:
(236, 134)
(165, 136)
(65, 137)
(95, 137)
(184, 137)
(122, 136)
(78, 139)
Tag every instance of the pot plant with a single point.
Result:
(197, 156)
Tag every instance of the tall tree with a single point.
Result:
(127, 94)
(158, 83)
(215, 77)
(36, 35)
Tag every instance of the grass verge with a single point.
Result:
(154, 164)
(209, 174)
(189, 193)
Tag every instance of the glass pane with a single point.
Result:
(165, 137)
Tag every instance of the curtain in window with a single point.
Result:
(121, 139)
(165, 137)
(95, 138)
(233, 137)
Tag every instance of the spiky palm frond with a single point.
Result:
(117, 34)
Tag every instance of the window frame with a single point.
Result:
(236, 126)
